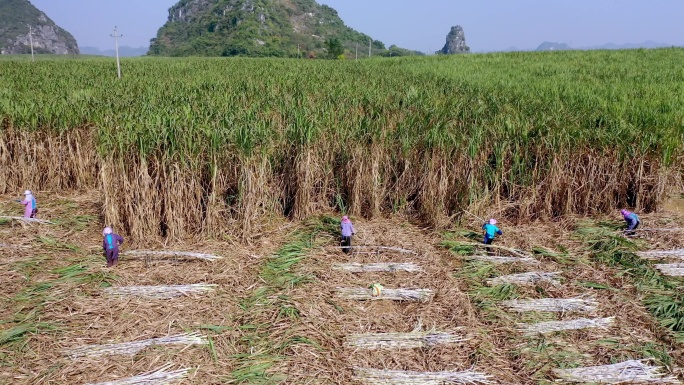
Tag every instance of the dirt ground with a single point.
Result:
(52, 299)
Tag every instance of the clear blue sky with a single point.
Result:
(420, 25)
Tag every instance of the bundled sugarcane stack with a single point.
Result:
(557, 326)
(671, 269)
(383, 248)
(161, 292)
(417, 295)
(378, 267)
(29, 220)
(132, 348)
(399, 377)
(552, 305)
(411, 340)
(633, 371)
(170, 253)
(661, 254)
(531, 278)
(500, 259)
(158, 377)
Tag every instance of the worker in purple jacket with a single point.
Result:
(347, 231)
(30, 205)
(110, 244)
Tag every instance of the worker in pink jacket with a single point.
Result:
(30, 205)
(347, 229)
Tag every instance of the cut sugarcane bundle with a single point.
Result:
(557, 326)
(161, 292)
(29, 220)
(552, 304)
(378, 267)
(378, 249)
(171, 253)
(157, 377)
(132, 348)
(671, 269)
(530, 278)
(633, 371)
(659, 254)
(500, 260)
(399, 377)
(402, 340)
(418, 295)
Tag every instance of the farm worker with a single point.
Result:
(30, 205)
(110, 244)
(632, 221)
(347, 231)
(490, 232)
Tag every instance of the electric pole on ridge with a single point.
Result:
(33, 59)
(116, 37)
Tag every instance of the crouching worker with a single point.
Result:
(347, 231)
(490, 232)
(632, 220)
(111, 243)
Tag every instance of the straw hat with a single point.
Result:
(376, 289)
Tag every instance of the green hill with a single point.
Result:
(282, 28)
(15, 18)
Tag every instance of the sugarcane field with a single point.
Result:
(499, 218)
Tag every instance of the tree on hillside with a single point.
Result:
(334, 47)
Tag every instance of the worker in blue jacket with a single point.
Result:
(490, 232)
(632, 220)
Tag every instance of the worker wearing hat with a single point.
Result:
(490, 232)
(347, 229)
(632, 220)
(30, 205)
(110, 244)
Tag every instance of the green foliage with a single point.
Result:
(334, 47)
(661, 296)
(394, 51)
(514, 116)
(278, 276)
(260, 28)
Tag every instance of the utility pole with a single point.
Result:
(116, 37)
(369, 47)
(33, 59)
(298, 56)
(357, 51)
